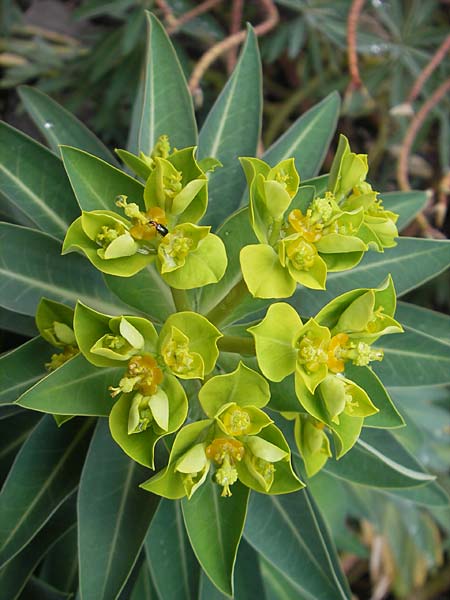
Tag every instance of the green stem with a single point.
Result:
(237, 344)
(234, 297)
(181, 300)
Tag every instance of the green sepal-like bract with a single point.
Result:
(365, 314)
(193, 353)
(169, 481)
(243, 387)
(190, 256)
(347, 170)
(266, 466)
(122, 257)
(107, 341)
(179, 186)
(124, 422)
(312, 443)
(55, 323)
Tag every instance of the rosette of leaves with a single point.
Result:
(51, 469)
(164, 231)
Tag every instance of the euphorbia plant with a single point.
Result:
(221, 363)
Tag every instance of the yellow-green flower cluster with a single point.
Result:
(123, 241)
(300, 244)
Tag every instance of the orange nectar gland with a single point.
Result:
(143, 375)
(336, 362)
(225, 452)
(236, 420)
(311, 232)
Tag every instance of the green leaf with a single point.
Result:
(411, 263)
(23, 367)
(44, 474)
(167, 107)
(110, 533)
(17, 323)
(248, 583)
(313, 131)
(75, 388)
(413, 359)
(60, 567)
(214, 526)
(14, 576)
(144, 588)
(289, 532)
(41, 590)
(172, 563)
(31, 267)
(388, 417)
(379, 460)
(33, 179)
(145, 291)
(59, 126)
(419, 319)
(96, 183)
(15, 427)
(237, 109)
(406, 204)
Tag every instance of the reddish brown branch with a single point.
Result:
(237, 10)
(352, 25)
(428, 70)
(192, 14)
(231, 42)
(411, 133)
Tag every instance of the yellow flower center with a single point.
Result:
(302, 254)
(143, 375)
(177, 356)
(225, 452)
(236, 420)
(312, 353)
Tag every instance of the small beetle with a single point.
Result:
(159, 228)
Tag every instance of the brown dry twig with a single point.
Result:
(411, 133)
(237, 10)
(231, 42)
(352, 24)
(178, 22)
(428, 70)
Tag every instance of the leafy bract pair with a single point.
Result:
(317, 353)
(302, 237)
(164, 231)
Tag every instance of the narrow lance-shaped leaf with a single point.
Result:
(33, 179)
(167, 107)
(31, 267)
(405, 204)
(59, 126)
(23, 367)
(238, 108)
(14, 576)
(419, 319)
(308, 139)
(175, 571)
(44, 474)
(289, 533)
(75, 388)
(15, 428)
(110, 534)
(214, 525)
(96, 183)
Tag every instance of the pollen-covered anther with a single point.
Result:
(312, 353)
(264, 468)
(361, 354)
(176, 247)
(225, 476)
(59, 358)
(301, 254)
(223, 447)
(177, 356)
(109, 234)
(236, 421)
